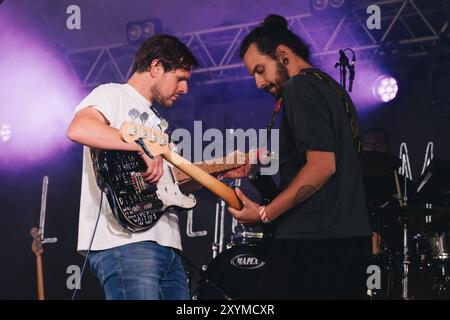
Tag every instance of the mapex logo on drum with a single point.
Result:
(246, 261)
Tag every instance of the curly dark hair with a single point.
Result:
(270, 34)
(169, 50)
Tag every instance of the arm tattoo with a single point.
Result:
(303, 194)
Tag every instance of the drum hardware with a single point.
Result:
(405, 262)
(403, 202)
(235, 274)
(424, 251)
(253, 235)
(205, 280)
(219, 226)
(410, 237)
(198, 277)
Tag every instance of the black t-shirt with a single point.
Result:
(314, 119)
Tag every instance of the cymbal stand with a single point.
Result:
(217, 245)
(403, 201)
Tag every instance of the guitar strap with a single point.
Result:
(265, 185)
(276, 110)
(345, 103)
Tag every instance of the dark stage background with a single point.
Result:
(46, 68)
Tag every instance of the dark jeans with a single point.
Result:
(140, 271)
(317, 269)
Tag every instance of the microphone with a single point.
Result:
(343, 60)
(351, 67)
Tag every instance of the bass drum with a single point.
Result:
(235, 274)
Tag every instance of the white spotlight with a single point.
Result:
(5, 132)
(385, 88)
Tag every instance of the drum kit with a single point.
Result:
(411, 228)
(410, 242)
(237, 271)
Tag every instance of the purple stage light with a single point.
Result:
(38, 95)
(385, 88)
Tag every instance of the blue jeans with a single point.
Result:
(140, 271)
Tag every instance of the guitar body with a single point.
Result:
(136, 204)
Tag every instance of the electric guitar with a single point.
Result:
(138, 205)
(38, 250)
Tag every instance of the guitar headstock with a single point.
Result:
(153, 138)
(36, 246)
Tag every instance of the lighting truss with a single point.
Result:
(409, 28)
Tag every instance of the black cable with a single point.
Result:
(75, 290)
(351, 68)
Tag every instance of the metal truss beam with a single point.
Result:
(413, 25)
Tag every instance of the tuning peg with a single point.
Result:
(163, 125)
(153, 137)
(143, 117)
(134, 114)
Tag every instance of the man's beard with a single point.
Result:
(282, 78)
(159, 98)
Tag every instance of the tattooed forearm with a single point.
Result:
(303, 194)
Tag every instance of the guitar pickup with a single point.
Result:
(141, 143)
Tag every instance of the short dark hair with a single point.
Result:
(270, 34)
(169, 50)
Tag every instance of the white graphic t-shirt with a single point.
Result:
(114, 101)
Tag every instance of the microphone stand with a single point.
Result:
(343, 64)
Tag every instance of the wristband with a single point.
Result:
(263, 214)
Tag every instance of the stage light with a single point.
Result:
(134, 32)
(385, 88)
(5, 132)
(336, 3)
(148, 29)
(139, 31)
(329, 8)
(319, 5)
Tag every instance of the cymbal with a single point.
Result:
(434, 184)
(374, 163)
(407, 211)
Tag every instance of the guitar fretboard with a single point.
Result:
(212, 167)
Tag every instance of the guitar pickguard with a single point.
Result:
(136, 204)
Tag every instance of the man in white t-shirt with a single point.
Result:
(147, 264)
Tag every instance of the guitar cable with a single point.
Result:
(75, 290)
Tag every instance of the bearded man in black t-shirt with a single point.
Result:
(321, 243)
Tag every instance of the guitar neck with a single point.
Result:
(212, 167)
(40, 278)
(204, 178)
